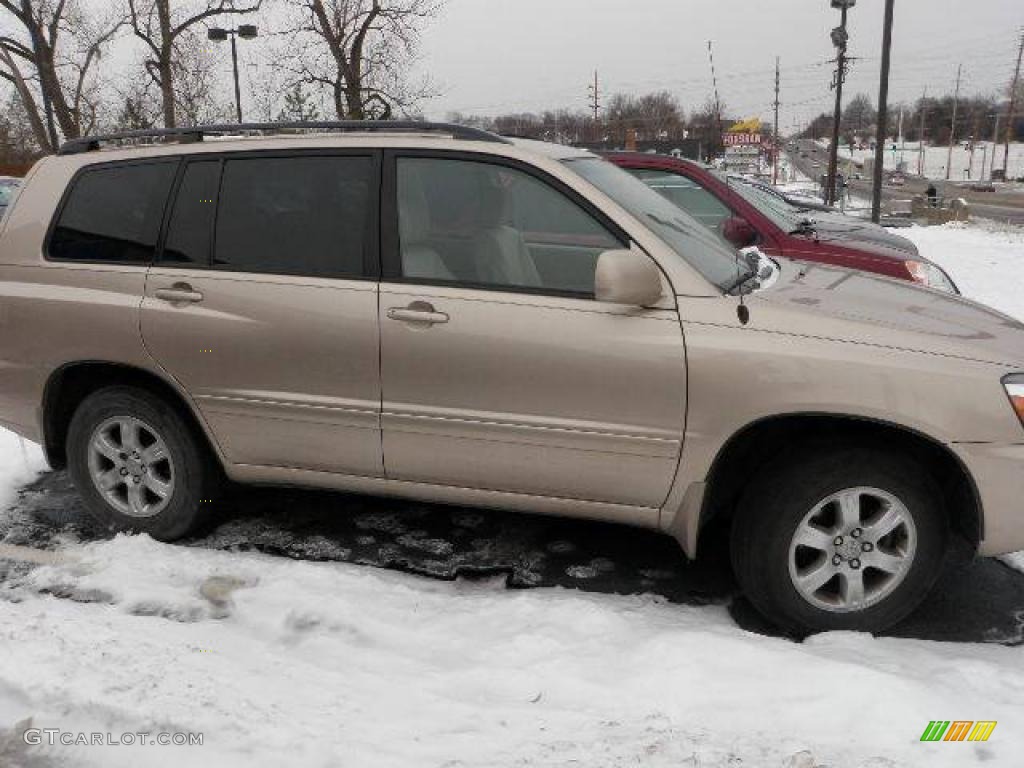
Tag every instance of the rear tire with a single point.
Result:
(138, 465)
(849, 539)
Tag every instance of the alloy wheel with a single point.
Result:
(852, 550)
(131, 467)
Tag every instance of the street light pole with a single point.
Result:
(883, 115)
(246, 32)
(234, 65)
(839, 39)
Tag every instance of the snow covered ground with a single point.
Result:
(936, 159)
(281, 662)
(985, 259)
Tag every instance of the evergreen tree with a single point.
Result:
(298, 106)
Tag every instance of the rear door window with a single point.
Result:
(297, 215)
(113, 213)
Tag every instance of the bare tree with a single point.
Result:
(196, 96)
(27, 99)
(566, 126)
(472, 121)
(137, 106)
(652, 116)
(166, 32)
(526, 125)
(661, 115)
(358, 51)
(858, 117)
(53, 55)
(18, 143)
(707, 124)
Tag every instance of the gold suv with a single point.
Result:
(439, 313)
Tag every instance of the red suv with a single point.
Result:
(746, 214)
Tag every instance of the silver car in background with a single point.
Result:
(8, 188)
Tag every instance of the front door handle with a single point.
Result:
(179, 293)
(418, 312)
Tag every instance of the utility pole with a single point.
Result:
(718, 105)
(595, 104)
(902, 138)
(952, 127)
(883, 114)
(975, 131)
(995, 147)
(1013, 111)
(840, 37)
(920, 135)
(778, 148)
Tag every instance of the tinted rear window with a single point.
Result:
(113, 214)
(294, 215)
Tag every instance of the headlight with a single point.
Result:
(929, 274)
(1014, 385)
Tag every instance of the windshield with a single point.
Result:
(784, 215)
(694, 243)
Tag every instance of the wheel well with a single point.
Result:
(70, 385)
(766, 440)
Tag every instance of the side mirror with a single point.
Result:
(627, 277)
(738, 231)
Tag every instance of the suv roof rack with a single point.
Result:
(187, 135)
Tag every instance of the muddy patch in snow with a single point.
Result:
(978, 601)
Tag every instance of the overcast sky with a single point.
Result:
(492, 56)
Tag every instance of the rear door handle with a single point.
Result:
(179, 293)
(418, 312)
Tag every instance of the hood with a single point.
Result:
(863, 235)
(862, 307)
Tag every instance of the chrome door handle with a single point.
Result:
(418, 312)
(179, 293)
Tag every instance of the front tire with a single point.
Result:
(844, 539)
(138, 465)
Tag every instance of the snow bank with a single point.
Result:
(315, 664)
(20, 462)
(936, 158)
(985, 259)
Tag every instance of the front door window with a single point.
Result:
(495, 227)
